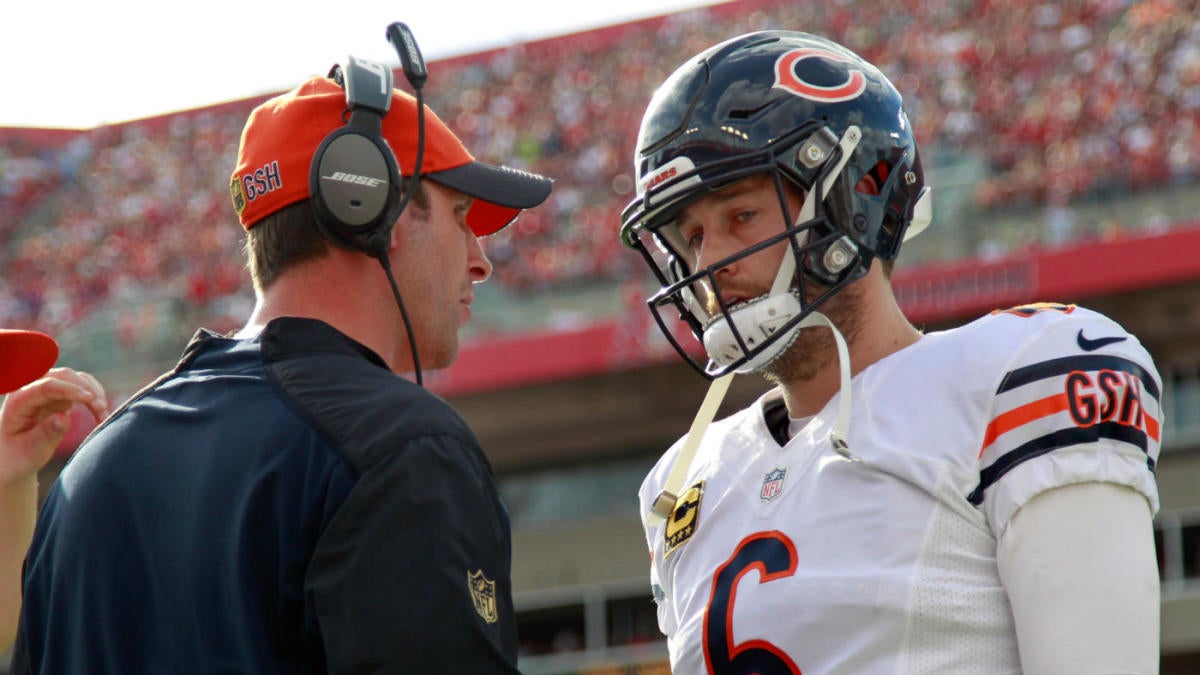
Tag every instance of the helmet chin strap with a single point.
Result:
(756, 321)
(841, 424)
(664, 504)
(760, 318)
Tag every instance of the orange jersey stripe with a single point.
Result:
(1152, 427)
(1023, 415)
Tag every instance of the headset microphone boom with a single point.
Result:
(356, 186)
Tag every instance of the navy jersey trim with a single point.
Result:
(1086, 362)
(1053, 441)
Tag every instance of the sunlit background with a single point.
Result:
(1061, 139)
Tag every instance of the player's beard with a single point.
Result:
(815, 348)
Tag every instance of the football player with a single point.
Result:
(977, 500)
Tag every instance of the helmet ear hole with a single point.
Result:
(867, 185)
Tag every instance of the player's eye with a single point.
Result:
(691, 236)
(745, 215)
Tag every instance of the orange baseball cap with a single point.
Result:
(25, 355)
(282, 134)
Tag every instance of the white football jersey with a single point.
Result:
(790, 558)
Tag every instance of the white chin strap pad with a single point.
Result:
(755, 322)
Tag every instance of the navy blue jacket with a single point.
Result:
(278, 505)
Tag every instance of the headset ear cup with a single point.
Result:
(354, 187)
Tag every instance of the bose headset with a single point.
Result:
(355, 184)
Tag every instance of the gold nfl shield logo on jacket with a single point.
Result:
(483, 594)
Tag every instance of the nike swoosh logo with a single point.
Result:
(1092, 345)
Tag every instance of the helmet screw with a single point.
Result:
(814, 153)
(860, 222)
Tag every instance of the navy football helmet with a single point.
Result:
(816, 118)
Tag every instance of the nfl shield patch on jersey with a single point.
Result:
(772, 484)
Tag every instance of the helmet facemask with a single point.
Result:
(817, 262)
(813, 116)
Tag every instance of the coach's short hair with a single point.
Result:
(290, 237)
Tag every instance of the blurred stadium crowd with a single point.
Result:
(1059, 99)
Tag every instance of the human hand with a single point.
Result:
(34, 419)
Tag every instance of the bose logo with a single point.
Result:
(355, 179)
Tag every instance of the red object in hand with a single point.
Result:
(25, 355)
